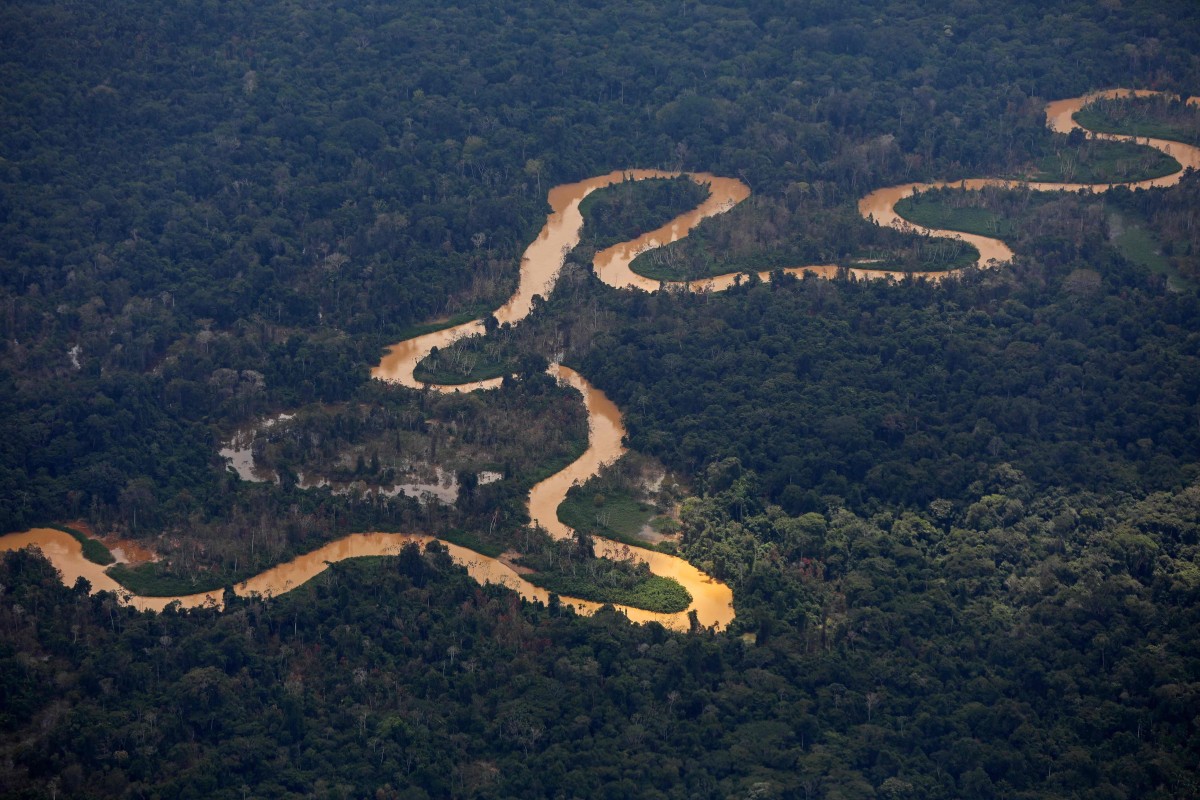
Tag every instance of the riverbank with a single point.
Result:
(712, 601)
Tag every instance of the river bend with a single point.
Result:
(539, 270)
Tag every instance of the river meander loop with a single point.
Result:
(540, 266)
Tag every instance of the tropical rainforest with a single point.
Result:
(960, 519)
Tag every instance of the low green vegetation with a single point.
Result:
(570, 567)
(1138, 243)
(1101, 161)
(503, 350)
(1139, 246)
(446, 370)
(764, 234)
(473, 358)
(1157, 117)
(472, 541)
(649, 592)
(152, 580)
(628, 209)
(925, 254)
(458, 318)
(1149, 227)
(936, 210)
(615, 515)
(652, 264)
(93, 549)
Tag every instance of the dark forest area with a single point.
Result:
(960, 520)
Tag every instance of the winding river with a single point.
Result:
(540, 266)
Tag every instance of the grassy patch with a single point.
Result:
(93, 550)
(1099, 161)
(570, 567)
(474, 358)
(647, 266)
(1143, 118)
(652, 593)
(926, 255)
(472, 541)
(152, 580)
(934, 212)
(1139, 245)
(613, 515)
(448, 375)
(413, 331)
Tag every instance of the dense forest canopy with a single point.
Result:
(960, 520)
(324, 178)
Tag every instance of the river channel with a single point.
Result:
(539, 269)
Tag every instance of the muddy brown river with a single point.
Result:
(540, 266)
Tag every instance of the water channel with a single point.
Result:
(540, 266)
